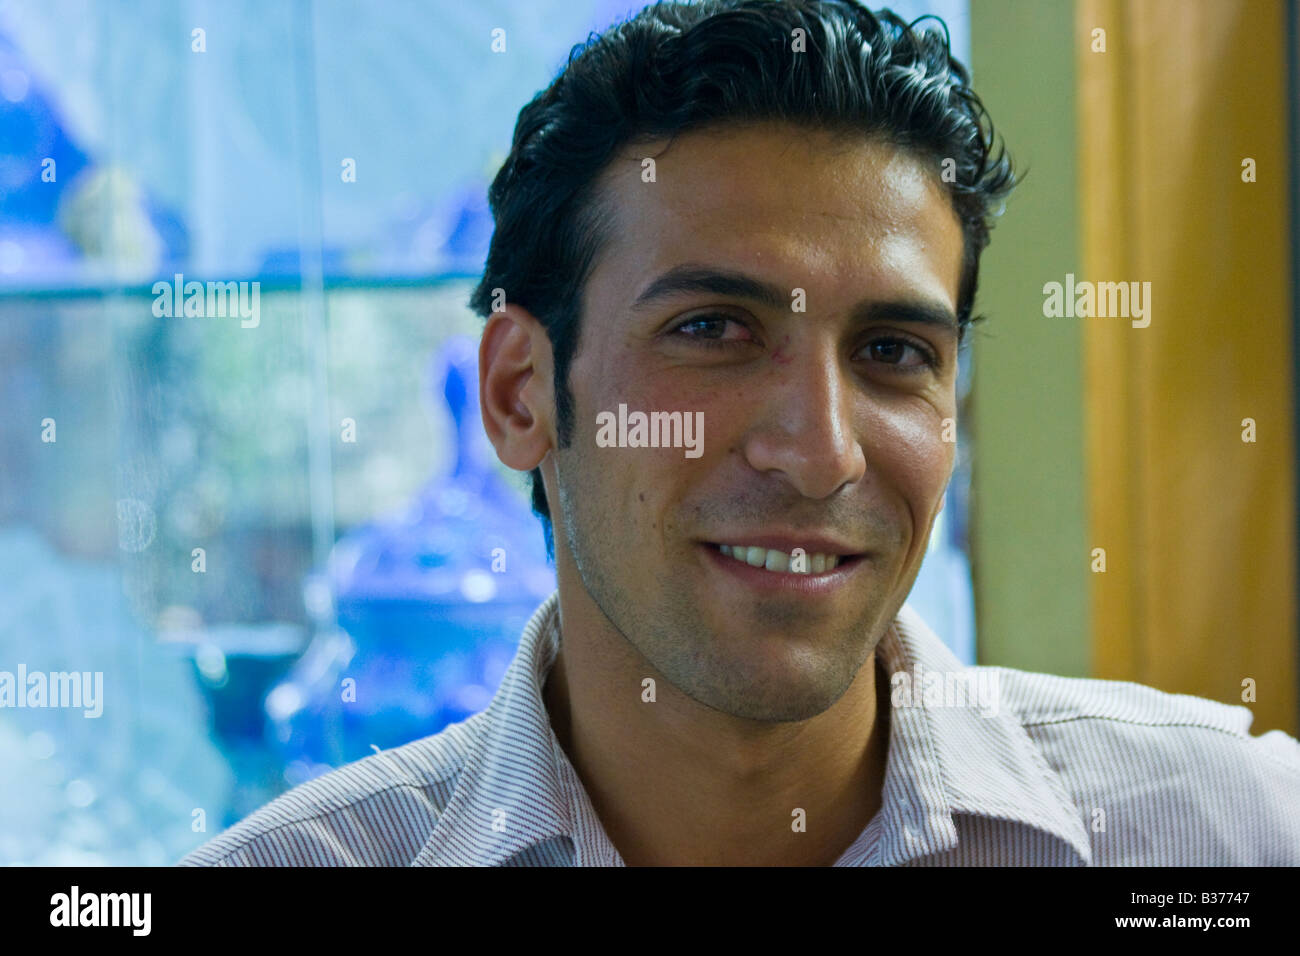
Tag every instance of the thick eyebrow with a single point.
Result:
(927, 313)
(690, 278)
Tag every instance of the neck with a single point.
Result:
(677, 783)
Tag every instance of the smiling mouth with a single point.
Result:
(785, 562)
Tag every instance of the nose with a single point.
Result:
(805, 431)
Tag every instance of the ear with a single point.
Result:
(516, 396)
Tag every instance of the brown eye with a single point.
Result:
(900, 353)
(714, 327)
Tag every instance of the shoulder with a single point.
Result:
(1160, 777)
(377, 811)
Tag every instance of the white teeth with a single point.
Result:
(777, 561)
(780, 560)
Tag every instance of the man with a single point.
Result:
(757, 226)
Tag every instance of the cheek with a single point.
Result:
(908, 451)
(635, 483)
(608, 375)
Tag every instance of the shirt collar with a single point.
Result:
(517, 787)
(945, 759)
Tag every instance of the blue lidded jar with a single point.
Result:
(430, 605)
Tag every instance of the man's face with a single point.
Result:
(823, 410)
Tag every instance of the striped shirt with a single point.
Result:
(986, 766)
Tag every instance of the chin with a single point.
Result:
(780, 687)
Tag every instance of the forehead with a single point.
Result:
(804, 206)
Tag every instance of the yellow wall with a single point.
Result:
(1090, 433)
(1198, 525)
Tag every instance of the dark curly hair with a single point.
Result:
(676, 67)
